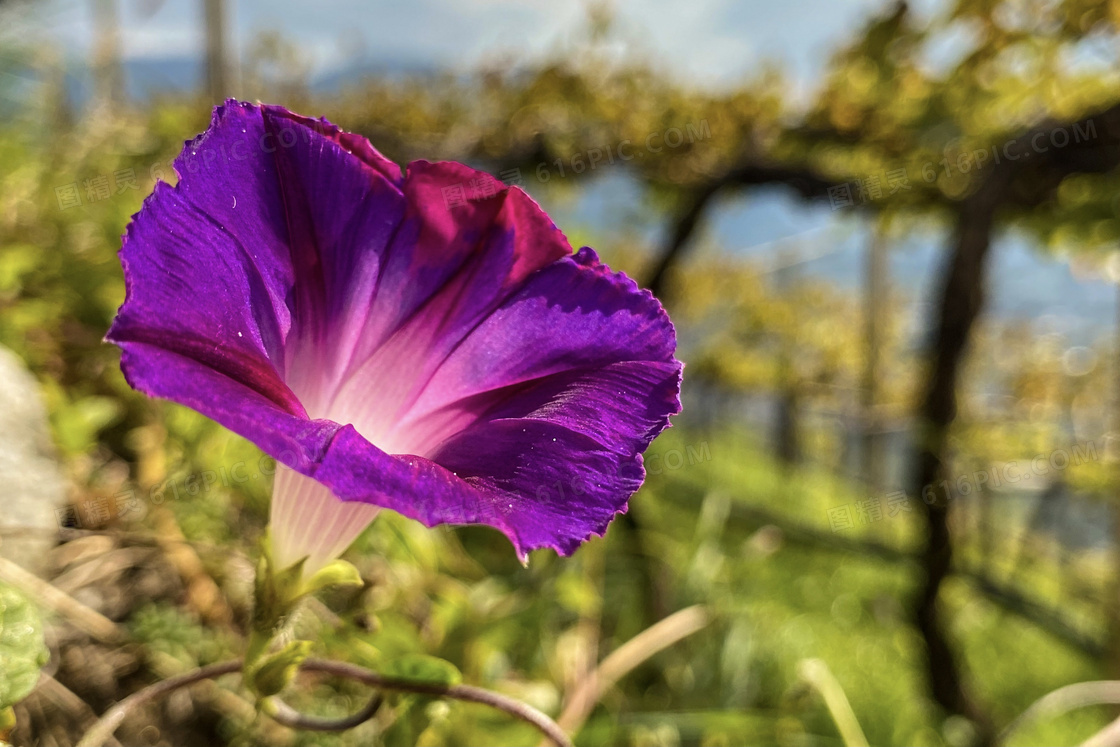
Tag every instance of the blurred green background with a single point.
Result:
(893, 267)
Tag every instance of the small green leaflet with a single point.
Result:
(22, 649)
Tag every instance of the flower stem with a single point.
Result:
(102, 731)
(285, 715)
(469, 693)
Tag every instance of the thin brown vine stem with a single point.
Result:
(102, 731)
(468, 693)
(285, 715)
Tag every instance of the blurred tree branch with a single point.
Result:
(804, 181)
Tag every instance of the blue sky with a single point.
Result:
(702, 41)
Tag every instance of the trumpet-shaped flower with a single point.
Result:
(425, 342)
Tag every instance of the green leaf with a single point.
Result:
(424, 668)
(276, 671)
(22, 650)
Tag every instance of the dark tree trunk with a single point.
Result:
(787, 427)
(1112, 605)
(217, 63)
(107, 73)
(961, 300)
(875, 291)
(683, 228)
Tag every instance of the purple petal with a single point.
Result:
(297, 289)
(548, 416)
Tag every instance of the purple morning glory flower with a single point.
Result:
(426, 342)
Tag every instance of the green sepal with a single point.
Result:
(276, 671)
(335, 573)
(276, 594)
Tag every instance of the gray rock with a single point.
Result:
(32, 488)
